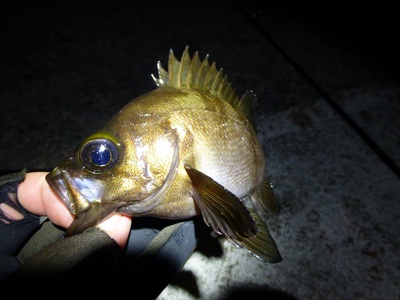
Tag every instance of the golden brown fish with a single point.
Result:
(189, 147)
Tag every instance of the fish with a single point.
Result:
(187, 148)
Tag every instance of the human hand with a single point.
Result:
(36, 196)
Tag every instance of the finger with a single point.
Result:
(36, 196)
(117, 226)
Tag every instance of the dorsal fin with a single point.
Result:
(192, 73)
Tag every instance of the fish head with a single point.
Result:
(111, 170)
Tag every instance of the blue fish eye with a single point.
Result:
(99, 155)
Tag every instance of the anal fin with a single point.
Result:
(265, 199)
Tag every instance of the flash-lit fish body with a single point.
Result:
(187, 148)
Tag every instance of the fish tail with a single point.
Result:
(265, 200)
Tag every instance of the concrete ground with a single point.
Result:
(327, 83)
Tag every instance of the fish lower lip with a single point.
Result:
(56, 181)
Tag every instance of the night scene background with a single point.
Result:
(328, 116)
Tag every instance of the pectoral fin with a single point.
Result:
(227, 215)
(220, 208)
(262, 245)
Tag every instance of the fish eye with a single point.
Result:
(99, 155)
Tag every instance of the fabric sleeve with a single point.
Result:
(90, 259)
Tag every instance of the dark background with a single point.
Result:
(327, 82)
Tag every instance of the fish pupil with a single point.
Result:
(101, 156)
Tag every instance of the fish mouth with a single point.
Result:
(56, 181)
(77, 193)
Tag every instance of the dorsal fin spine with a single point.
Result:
(184, 69)
(210, 77)
(200, 75)
(217, 81)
